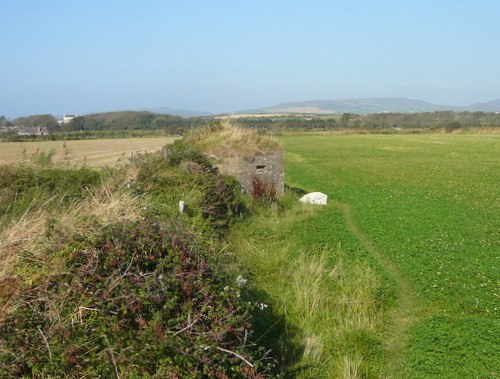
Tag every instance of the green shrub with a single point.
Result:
(217, 198)
(451, 126)
(178, 151)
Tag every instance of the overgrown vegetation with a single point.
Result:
(142, 293)
(133, 299)
(329, 301)
(30, 187)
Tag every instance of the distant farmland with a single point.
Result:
(95, 152)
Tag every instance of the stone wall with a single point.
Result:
(266, 166)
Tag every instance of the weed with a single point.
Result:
(263, 192)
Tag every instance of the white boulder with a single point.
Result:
(317, 198)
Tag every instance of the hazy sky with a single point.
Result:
(96, 55)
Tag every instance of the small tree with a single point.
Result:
(451, 126)
(344, 120)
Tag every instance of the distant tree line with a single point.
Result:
(128, 120)
(4, 121)
(130, 123)
(37, 120)
(447, 121)
(100, 125)
(424, 120)
(289, 122)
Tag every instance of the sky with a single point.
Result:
(221, 56)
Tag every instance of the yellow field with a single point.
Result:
(98, 152)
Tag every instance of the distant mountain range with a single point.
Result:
(358, 106)
(371, 105)
(491, 106)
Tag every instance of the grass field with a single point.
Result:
(98, 152)
(427, 210)
(398, 277)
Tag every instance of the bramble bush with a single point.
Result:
(133, 300)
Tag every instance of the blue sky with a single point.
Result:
(94, 55)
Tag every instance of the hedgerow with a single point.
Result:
(140, 297)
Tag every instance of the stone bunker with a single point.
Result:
(261, 168)
(254, 159)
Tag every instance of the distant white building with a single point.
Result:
(33, 131)
(66, 118)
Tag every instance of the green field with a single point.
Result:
(426, 211)
(398, 276)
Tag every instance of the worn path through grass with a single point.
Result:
(409, 309)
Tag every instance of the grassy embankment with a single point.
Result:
(101, 276)
(398, 276)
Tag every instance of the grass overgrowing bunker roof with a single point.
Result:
(226, 139)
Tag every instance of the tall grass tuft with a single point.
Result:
(329, 302)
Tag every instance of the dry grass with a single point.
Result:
(349, 367)
(98, 152)
(31, 236)
(228, 139)
(29, 232)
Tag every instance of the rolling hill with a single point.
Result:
(370, 105)
(491, 106)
